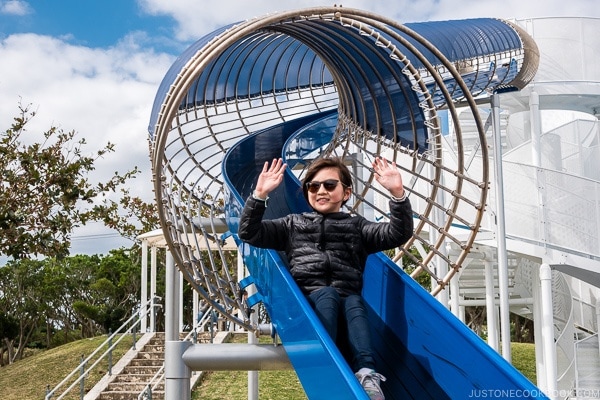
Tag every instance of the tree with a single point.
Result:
(9, 330)
(22, 297)
(116, 288)
(50, 302)
(45, 192)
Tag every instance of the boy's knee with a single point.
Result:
(327, 294)
(354, 302)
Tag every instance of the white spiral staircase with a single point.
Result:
(551, 178)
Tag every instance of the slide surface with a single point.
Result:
(422, 349)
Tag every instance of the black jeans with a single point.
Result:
(328, 304)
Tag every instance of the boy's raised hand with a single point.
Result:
(269, 178)
(388, 176)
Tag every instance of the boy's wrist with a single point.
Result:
(256, 195)
(401, 197)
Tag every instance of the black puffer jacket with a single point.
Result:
(326, 250)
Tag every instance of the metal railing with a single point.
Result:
(159, 376)
(112, 341)
(587, 359)
(570, 215)
(564, 331)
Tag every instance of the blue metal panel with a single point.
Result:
(174, 71)
(464, 39)
(311, 351)
(422, 349)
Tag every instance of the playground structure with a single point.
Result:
(338, 81)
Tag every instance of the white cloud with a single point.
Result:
(100, 93)
(195, 18)
(15, 7)
(105, 95)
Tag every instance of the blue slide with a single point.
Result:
(423, 350)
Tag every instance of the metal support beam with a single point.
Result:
(490, 307)
(171, 300)
(523, 301)
(177, 374)
(501, 232)
(153, 267)
(536, 129)
(236, 357)
(540, 369)
(455, 296)
(548, 331)
(144, 288)
(253, 392)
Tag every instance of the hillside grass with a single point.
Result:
(28, 379)
(284, 385)
(523, 359)
(232, 385)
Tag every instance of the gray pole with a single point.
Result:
(501, 232)
(144, 294)
(171, 300)
(237, 357)
(252, 337)
(177, 374)
(549, 345)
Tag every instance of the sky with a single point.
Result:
(94, 66)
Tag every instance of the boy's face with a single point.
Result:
(328, 201)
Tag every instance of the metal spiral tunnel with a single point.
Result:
(381, 88)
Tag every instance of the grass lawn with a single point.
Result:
(28, 379)
(284, 385)
(523, 359)
(233, 385)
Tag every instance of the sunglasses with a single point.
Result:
(329, 185)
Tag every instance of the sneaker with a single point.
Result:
(370, 381)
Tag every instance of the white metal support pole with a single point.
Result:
(171, 303)
(177, 373)
(144, 284)
(252, 339)
(598, 317)
(490, 306)
(536, 128)
(180, 286)
(195, 307)
(501, 232)
(153, 267)
(548, 330)
(454, 296)
(540, 368)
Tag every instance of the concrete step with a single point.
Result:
(151, 355)
(140, 370)
(130, 387)
(136, 362)
(157, 395)
(124, 377)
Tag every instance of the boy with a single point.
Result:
(327, 249)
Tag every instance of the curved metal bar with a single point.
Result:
(388, 82)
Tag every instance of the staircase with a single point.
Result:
(138, 368)
(588, 368)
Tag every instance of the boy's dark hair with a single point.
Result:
(328, 162)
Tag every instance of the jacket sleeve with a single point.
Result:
(387, 235)
(266, 234)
